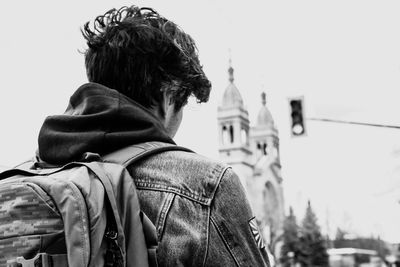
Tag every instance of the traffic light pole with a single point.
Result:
(356, 123)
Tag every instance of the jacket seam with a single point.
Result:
(219, 180)
(215, 176)
(207, 237)
(224, 240)
(163, 214)
(162, 188)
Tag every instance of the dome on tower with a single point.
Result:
(232, 97)
(264, 117)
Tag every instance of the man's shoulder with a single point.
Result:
(195, 160)
(188, 174)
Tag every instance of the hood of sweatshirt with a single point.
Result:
(98, 120)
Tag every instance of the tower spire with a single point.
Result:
(230, 71)
(263, 98)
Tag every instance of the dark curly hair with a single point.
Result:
(141, 54)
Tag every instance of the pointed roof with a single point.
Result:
(264, 117)
(232, 96)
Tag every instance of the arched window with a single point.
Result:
(258, 146)
(259, 150)
(225, 135)
(262, 148)
(231, 134)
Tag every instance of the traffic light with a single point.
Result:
(297, 118)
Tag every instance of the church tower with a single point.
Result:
(233, 130)
(253, 153)
(266, 183)
(264, 135)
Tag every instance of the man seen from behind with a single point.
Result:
(142, 68)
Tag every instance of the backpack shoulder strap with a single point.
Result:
(128, 155)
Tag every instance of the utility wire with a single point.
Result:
(354, 122)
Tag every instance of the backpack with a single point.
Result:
(82, 214)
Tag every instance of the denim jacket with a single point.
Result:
(200, 211)
(198, 206)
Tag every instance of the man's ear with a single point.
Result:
(165, 105)
(168, 89)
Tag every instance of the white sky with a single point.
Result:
(343, 56)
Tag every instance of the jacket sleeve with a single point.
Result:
(232, 237)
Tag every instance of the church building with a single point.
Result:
(253, 153)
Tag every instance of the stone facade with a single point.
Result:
(253, 152)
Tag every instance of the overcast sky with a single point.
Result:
(342, 56)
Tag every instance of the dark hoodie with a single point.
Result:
(99, 120)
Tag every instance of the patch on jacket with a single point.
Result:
(256, 233)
